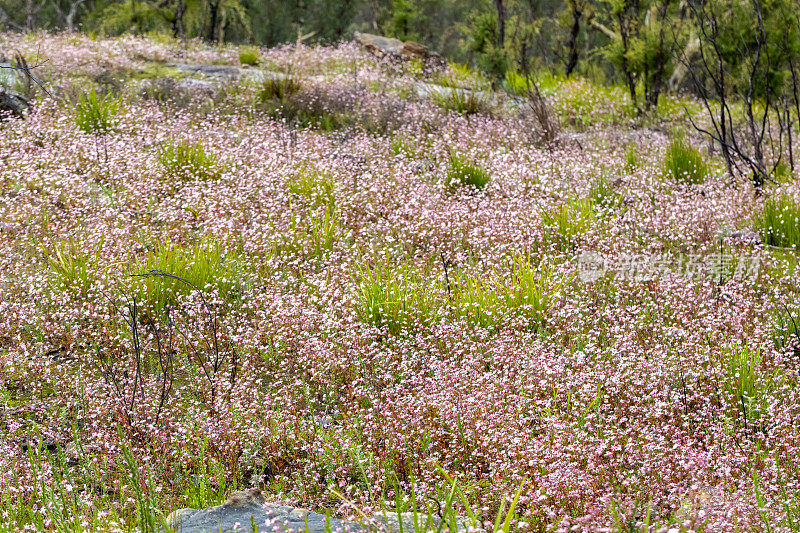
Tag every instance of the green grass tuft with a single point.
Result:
(396, 298)
(249, 56)
(464, 101)
(779, 222)
(97, 114)
(564, 225)
(279, 88)
(526, 291)
(207, 265)
(463, 173)
(517, 83)
(748, 382)
(684, 163)
(602, 193)
(74, 269)
(312, 188)
(187, 160)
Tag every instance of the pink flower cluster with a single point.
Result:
(667, 401)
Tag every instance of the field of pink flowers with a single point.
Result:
(336, 289)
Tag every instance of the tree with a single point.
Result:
(643, 38)
(743, 64)
(67, 11)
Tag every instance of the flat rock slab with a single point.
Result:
(243, 510)
(218, 71)
(222, 519)
(247, 511)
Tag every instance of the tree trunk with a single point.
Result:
(623, 33)
(213, 7)
(69, 19)
(501, 23)
(178, 28)
(31, 10)
(572, 41)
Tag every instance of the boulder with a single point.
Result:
(378, 45)
(389, 47)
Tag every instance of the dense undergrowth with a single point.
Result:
(336, 286)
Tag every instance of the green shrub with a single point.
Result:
(783, 173)
(249, 56)
(463, 173)
(189, 160)
(684, 163)
(97, 114)
(779, 222)
(460, 75)
(415, 68)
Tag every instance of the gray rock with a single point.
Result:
(244, 509)
(746, 237)
(216, 71)
(378, 45)
(8, 76)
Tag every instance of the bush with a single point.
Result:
(96, 114)
(249, 56)
(684, 163)
(463, 173)
(187, 160)
(538, 121)
(779, 223)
